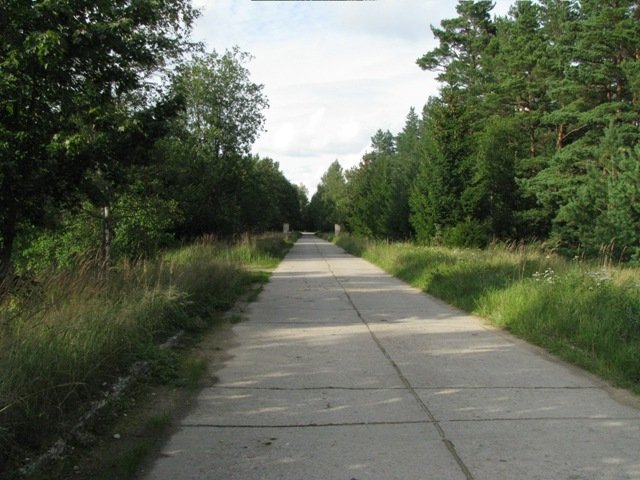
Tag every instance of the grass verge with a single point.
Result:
(586, 312)
(65, 335)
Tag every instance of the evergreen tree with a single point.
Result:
(371, 189)
(463, 42)
(409, 152)
(444, 171)
(462, 57)
(605, 211)
(328, 206)
(595, 103)
(492, 197)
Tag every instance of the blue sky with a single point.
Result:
(334, 71)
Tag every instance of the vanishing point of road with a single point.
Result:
(342, 372)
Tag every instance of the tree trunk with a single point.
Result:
(560, 137)
(532, 142)
(6, 248)
(106, 238)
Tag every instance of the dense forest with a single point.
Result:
(119, 136)
(533, 136)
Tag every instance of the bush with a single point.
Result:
(469, 233)
(77, 235)
(142, 225)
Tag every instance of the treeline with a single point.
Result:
(534, 136)
(120, 136)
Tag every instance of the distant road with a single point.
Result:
(343, 372)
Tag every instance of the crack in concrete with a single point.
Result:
(304, 389)
(537, 419)
(432, 419)
(455, 387)
(382, 389)
(307, 425)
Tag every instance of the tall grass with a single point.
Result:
(64, 334)
(587, 312)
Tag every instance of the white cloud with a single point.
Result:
(334, 72)
(349, 131)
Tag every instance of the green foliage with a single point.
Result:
(463, 42)
(66, 69)
(444, 170)
(468, 233)
(533, 136)
(223, 107)
(328, 206)
(492, 195)
(624, 199)
(371, 189)
(409, 148)
(76, 237)
(204, 164)
(605, 209)
(268, 199)
(143, 225)
(103, 165)
(183, 172)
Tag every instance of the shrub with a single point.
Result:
(469, 233)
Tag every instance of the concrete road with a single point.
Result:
(343, 372)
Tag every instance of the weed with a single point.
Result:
(193, 369)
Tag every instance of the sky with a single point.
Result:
(334, 72)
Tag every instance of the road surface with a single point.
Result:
(343, 372)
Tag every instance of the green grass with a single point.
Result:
(67, 334)
(587, 312)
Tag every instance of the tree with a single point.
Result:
(409, 153)
(64, 68)
(303, 205)
(371, 189)
(328, 206)
(605, 210)
(267, 199)
(492, 197)
(206, 159)
(444, 172)
(462, 44)
(595, 102)
(464, 51)
(223, 106)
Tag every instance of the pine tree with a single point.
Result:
(371, 189)
(596, 114)
(409, 153)
(444, 171)
(328, 206)
(465, 47)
